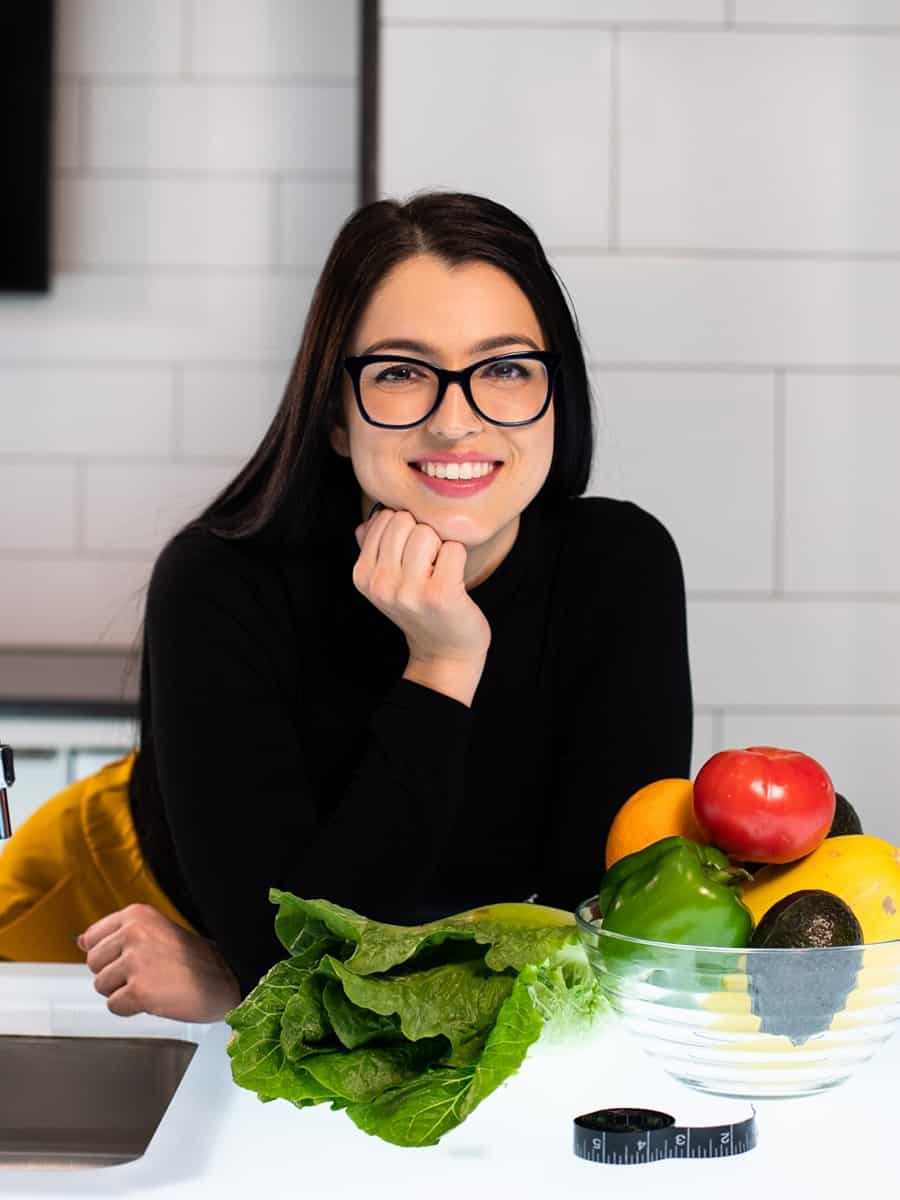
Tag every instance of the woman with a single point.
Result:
(399, 663)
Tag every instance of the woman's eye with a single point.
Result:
(395, 374)
(507, 371)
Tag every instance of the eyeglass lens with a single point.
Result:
(506, 389)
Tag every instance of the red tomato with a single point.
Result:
(763, 804)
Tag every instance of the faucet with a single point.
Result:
(7, 779)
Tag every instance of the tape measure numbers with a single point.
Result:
(639, 1135)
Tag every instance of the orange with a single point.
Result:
(661, 809)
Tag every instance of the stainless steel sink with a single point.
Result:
(69, 1102)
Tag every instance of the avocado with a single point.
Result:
(797, 995)
(846, 819)
(810, 917)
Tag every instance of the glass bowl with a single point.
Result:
(748, 1023)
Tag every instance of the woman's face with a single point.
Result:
(450, 316)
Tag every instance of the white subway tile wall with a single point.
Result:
(218, 127)
(759, 143)
(137, 506)
(107, 37)
(204, 155)
(138, 316)
(311, 213)
(722, 513)
(842, 438)
(275, 38)
(89, 411)
(554, 12)
(38, 513)
(706, 739)
(819, 14)
(226, 410)
(718, 186)
(735, 310)
(715, 180)
(164, 222)
(53, 600)
(438, 84)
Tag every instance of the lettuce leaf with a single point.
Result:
(408, 1028)
(513, 934)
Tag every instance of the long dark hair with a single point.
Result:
(295, 481)
(296, 490)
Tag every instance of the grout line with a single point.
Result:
(779, 483)
(613, 182)
(791, 28)
(84, 116)
(547, 23)
(812, 710)
(110, 79)
(176, 412)
(275, 219)
(176, 270)
(729, 16)
(559, 252)
(736, 596)
(718, 729)
(119, 460)
(307, 174)
(674, 27)
(757, 368)
(718, 254)
(599, 366)
(80, 507)
(92, 554)
(41, 364)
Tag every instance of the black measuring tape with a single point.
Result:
(639, 1135)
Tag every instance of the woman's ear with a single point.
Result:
(340, 441)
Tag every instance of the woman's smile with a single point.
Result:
(456, 474)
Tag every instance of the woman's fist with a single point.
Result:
(418, 582)
(143, 962)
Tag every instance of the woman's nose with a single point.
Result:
(454, 414)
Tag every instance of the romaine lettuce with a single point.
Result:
(407, 1028)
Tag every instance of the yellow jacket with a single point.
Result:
(73, 861)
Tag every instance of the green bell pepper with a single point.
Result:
(676, 891)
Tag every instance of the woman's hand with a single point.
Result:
(418, 582)
(143, 962)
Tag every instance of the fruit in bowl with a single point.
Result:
(733, 1021)
(777, 983)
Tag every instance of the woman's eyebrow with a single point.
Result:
(415, 347)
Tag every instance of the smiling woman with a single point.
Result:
(401, 662)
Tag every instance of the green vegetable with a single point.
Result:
(676, 891)
(407, 1028)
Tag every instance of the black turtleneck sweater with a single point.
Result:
(281, 747)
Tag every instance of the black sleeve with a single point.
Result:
(231, 764)
(627, 715)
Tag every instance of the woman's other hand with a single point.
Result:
(418, 582)
(145, 963)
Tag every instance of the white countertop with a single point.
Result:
(218, 1140)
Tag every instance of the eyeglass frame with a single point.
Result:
(355, 364)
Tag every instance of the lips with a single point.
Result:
(456, 487)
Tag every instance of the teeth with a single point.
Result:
(466, 470)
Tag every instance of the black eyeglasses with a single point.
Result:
(394, 392)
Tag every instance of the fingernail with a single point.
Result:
(76, 938)
(376, 507)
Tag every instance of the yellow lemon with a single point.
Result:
(864, 871)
